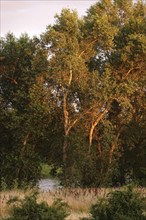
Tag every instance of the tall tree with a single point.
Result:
(67, 70)
(22, 61)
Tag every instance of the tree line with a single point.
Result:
(75, 97)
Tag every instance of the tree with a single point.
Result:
(67, 70)
(82, 84)
(90, 70)
(19, 69)
(118, 30)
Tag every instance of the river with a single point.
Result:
(48, 184)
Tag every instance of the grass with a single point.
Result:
(79, 200)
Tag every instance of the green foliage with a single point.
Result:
(20, 164)
(75, 97)
(29, 209)
(45, 170)
(50, 170)
(119, 205)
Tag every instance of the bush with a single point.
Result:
(119, 205)
(29, 209)
(46, 170)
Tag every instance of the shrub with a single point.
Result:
(46, 170)
(119, 205)
(29, 209)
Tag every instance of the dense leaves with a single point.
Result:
(125, 204)
(75, 98)
(19, 72)
(30, 209)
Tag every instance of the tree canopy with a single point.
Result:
(76, 97)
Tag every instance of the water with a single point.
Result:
(48, 184)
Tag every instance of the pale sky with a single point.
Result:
(32, 16)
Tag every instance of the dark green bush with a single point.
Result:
(29, 209)
(119, 205)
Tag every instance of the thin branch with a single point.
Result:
(130, 70)
(87, 48)
(65, 112)
(70, 76)
(94, 124)
(114, 145)
(12, 80)
(25, 140)
(73, 123)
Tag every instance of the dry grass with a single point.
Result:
(79, 200)
(77, 216)
(5, 196)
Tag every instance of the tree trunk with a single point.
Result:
(94, 124)
(113, 148)
(65, 145)
(22, 153)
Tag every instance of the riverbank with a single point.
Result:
(79, 200)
